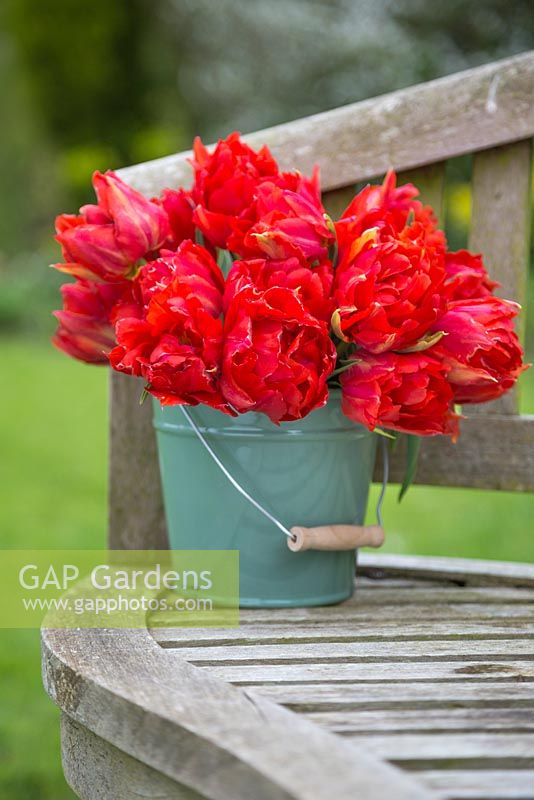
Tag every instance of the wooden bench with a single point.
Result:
(421, 685)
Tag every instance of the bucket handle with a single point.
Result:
(325, 537)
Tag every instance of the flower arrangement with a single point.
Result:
(243, 294)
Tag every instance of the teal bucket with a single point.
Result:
(314, 471)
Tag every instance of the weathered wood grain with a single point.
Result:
(487, 749)
(466, 570)
(446, 699)
(374, 616)
(500, 216)
(96, 770)
(473, 110)
(518, 720)
(136, 516)
(418, 596)
(336, 653)
(424, 595)
(476, 459)
(477, 784)
(423, 697)
(500, 229)
(211, 738)
(490, 669)
(389, 631)
(361, 613)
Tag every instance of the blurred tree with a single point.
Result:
(461, 33)
(90, 74)
(29, 187)
(85, 87)
(73, 55)
(248, 64)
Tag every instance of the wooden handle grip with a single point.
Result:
(335, 537)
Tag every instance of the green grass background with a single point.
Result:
(53, 429)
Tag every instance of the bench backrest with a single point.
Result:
(487, 111)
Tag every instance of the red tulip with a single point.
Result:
(480, 348)
(286, 224)
(402, 392)
(311, 285)
(308, 188)
(85, 328)
(191, 265)
(277, 357)
(225, 184)
(179, 206)
(466, 276)
(389, 277)
(176, 349)
(171, 335)
(107, 241)
(386, 204)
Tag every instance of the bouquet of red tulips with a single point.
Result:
(243, 294)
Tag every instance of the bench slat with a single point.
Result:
(377, 671)
(424, 595)
(472, 610)
(390, 697)
(500, 216)
(136, 517)
(356, 652)
(466, 571)
(476, 459)
(472, 110)
(431, 721)
(478, 784)
(482, 747)
(500, 228)
(424, 631)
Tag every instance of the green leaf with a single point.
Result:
(225, 261)
(144, 395)
(345, 366)
(413, 444)
(333, 253)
